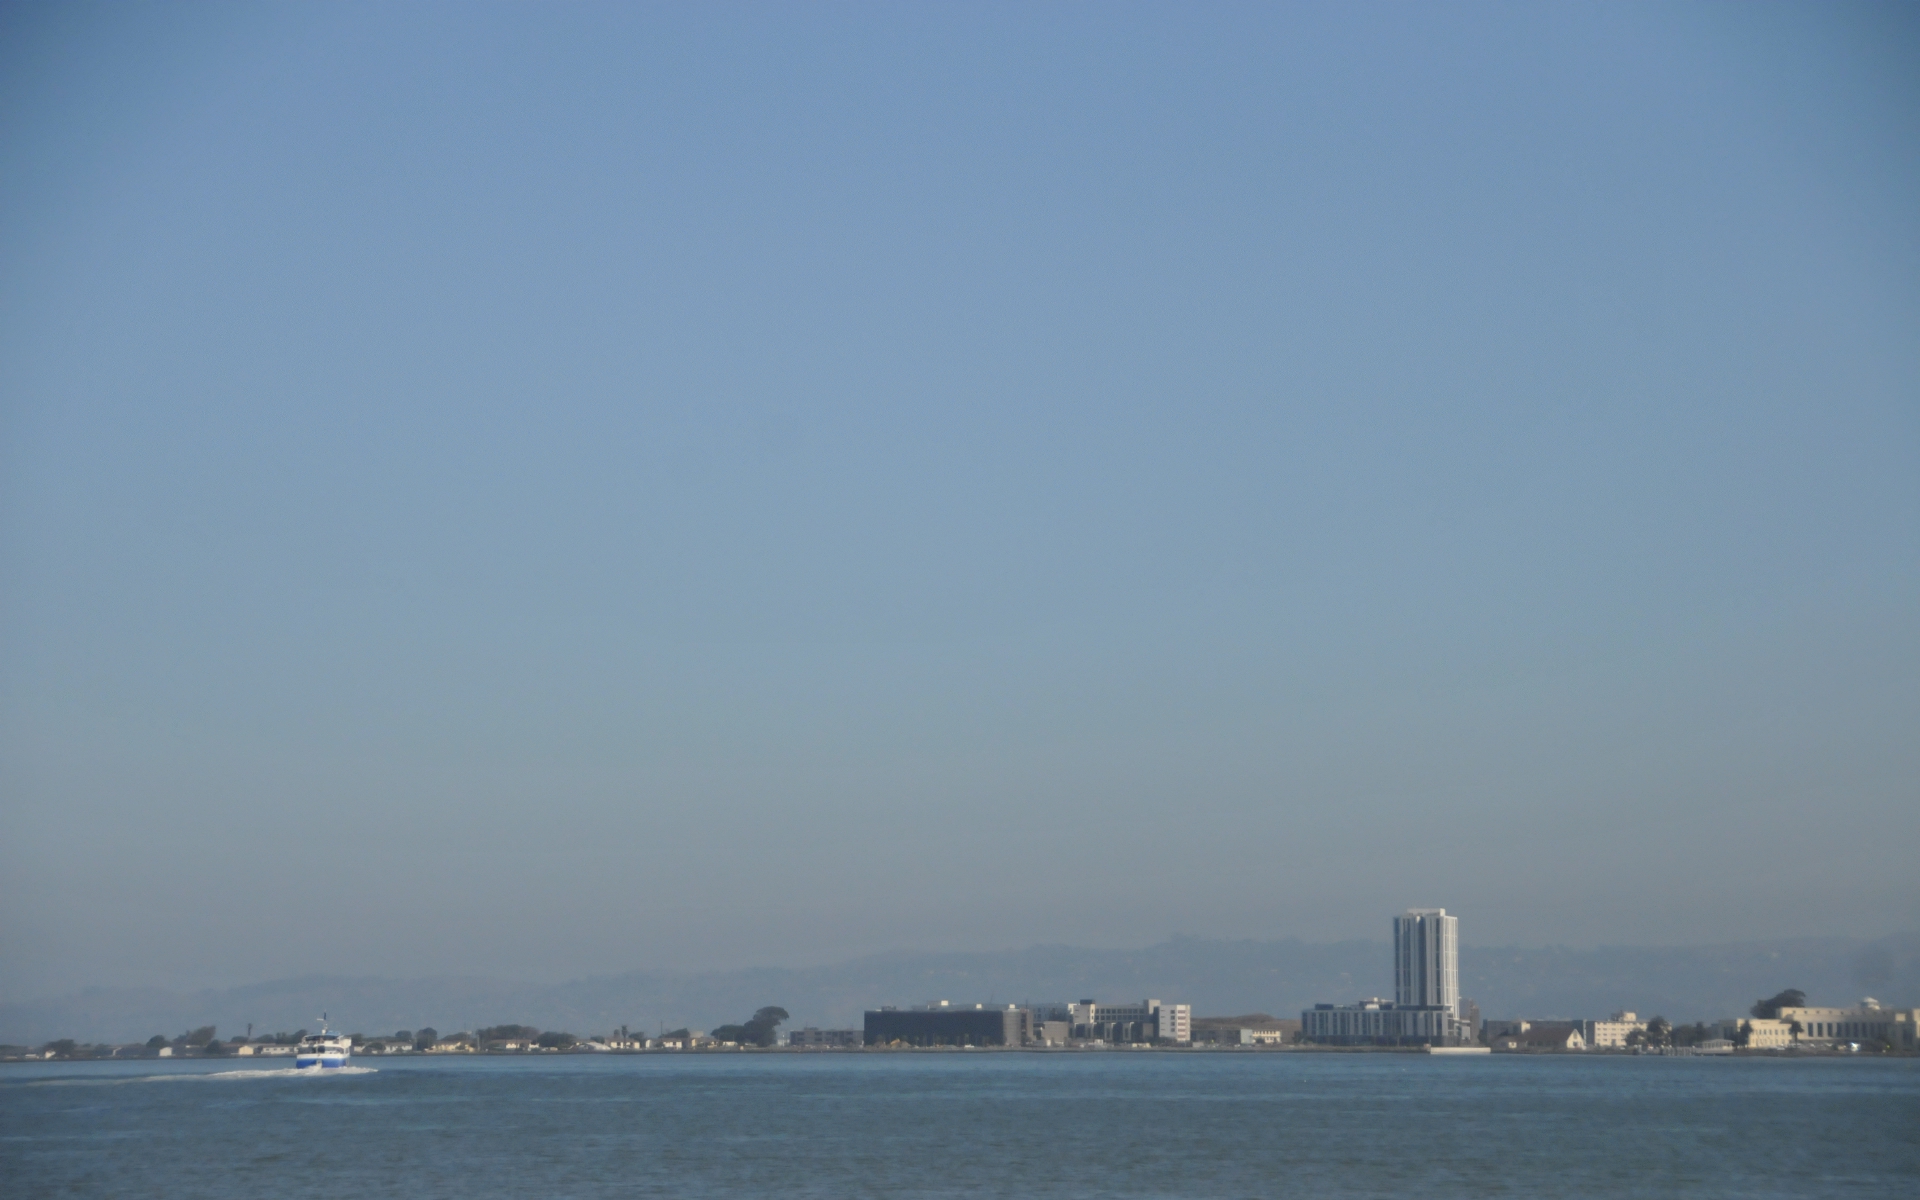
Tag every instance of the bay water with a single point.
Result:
(1067, 1124)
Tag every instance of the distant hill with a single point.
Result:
(1216, 977)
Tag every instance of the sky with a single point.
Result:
(549, 490)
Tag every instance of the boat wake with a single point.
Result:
(278, 1073)
(192, 1076)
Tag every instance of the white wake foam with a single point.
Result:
(188, 1076)
(275, 1073)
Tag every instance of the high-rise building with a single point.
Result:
(1426, 960)
(1426, 1008)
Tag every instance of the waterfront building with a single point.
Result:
(1763, 1034)
(1377, 1022)
(1051, 1033)
(1469, 1014)
(1612, 1033)
(1150, 1020)
(1539, 1035)
(945, 1024)
(1224, 1035)
(827, 1039)
(1426, 960)
(1865, 1022)
(1426, 1008)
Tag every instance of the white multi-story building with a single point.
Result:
(1146, 1021)
(1763, 1034)
(1866, 1022)
(1426, 960)
(1612, 1033)
(1174, 1022)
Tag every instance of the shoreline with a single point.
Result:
(781, 1051)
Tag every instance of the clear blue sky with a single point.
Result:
(551, 489)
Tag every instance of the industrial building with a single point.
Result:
(944, 1024)
(831, 1039)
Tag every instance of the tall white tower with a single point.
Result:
(1426, 959)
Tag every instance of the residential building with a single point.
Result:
(1377, 1022)
(1612, 1033)
(1426, 960)
(1426, 1008)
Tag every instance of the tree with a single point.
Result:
(156, 1041)
(507, 1033)
(557, 1041)
(759, 1029)
(425, 1037)
(196, 1037)
(63, 1047)
(1769, 1009)
(1659, 1032)
(1744, 1034)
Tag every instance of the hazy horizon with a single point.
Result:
(1217, 977)
(514, 487)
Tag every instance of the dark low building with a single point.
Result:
(831, 1039)
(949, 1025)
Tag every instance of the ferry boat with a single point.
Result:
(322, 1050)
